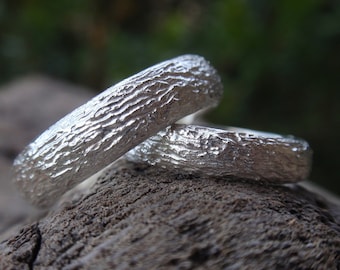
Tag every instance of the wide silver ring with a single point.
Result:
(102, 130)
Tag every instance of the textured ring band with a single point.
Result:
(240, 153)
(97, 133)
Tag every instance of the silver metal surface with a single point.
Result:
(97, 133)
(238, 153)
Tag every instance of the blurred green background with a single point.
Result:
(279, 60)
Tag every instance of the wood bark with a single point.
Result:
(144, 218)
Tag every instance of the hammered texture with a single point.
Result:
(97, 133)
(217, 152)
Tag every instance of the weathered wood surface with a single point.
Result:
(149, 219)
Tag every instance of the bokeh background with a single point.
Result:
(279, 60)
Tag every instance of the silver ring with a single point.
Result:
(99, 132)
(236, 152)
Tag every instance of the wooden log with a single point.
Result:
(144, 218)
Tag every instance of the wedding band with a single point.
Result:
(230, 152)
(99, 132)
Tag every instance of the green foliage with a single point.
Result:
(279, 59)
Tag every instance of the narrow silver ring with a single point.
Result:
(235, 152)
(100, 131)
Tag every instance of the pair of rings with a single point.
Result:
(136, 118)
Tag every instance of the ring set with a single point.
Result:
(137, 116)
